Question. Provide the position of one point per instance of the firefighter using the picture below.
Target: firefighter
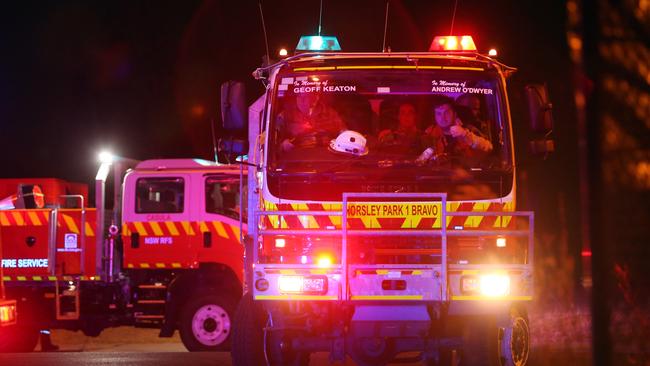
(449, 136)
(405, 137)
(310, 123)
(472, 103)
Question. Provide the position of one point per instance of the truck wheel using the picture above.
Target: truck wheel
(248, 348)
(480, 342)
(247, 334)
(206, 322)
(18, 339)
(515, 344)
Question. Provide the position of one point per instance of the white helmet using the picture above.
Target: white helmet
(349, 142)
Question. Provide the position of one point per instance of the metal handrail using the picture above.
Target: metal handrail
(442, 232)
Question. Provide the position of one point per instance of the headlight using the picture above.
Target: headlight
(495, 285)
(302, 284)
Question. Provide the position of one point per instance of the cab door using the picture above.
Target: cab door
(157, 227)
(218, 219)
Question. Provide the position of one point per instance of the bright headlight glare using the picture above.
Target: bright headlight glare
(324, 261)
(290, 283)
(495, 285)
(501, 242)
(105, 157)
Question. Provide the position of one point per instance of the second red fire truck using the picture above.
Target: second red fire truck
(167, 256)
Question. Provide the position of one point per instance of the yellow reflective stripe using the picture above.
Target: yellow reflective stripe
(37, 278)
(176, 265)
(235, 230)
(3, 219)
(34, 218)
(171, 227)
(203, 227)
(324, 68)
(386, 297)
(130, 265)
(273, 219)
(144, 265)
(6, 278)
(19, 218)
(308, 222)
(416, 272)
(140, 228)
(187, 227)
(294, 297)
(51, 278)
(221, 231)
(318, 271)
(387, 67)
(21, 278)
(462, 68)
(382, 271)
(125, 230)
(160, 265)
(156, 228)
(499, 298)
(89, 230)
(72, 226)
(288, 271)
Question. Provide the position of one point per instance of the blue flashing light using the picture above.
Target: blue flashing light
(318, 43)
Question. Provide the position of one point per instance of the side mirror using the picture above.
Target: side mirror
(540, 115)
(234, 111)
(540, 109)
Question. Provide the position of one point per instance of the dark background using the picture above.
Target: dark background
(141, 78)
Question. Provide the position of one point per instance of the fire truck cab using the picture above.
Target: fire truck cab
(168, 255)
(382, 211)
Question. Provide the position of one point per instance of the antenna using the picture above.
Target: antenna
(383, 46)
(214, 141)
(453, 17)
(320, 17)
(266, 39)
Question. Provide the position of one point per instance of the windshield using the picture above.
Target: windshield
(389, 130)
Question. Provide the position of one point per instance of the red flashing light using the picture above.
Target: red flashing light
(452, 43)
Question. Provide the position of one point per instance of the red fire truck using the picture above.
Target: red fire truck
(168, 255)
(372, 247)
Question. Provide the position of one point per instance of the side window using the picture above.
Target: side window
(160, 195)
(222, 196)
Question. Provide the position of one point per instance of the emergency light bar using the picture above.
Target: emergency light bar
(452, 43)
(318, 43)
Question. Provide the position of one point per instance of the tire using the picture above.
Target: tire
(480, 342)
(18, 339)
(515, 344)
(247, 334)
(206, 322)
(248, 339)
